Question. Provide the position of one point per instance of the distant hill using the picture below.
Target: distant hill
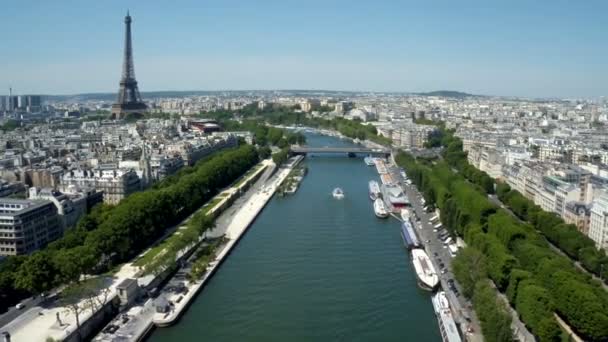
(294, 92)
(448, 93)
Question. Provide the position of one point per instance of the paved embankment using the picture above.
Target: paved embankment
(241, 221)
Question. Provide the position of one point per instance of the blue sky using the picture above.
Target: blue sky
(521, 48)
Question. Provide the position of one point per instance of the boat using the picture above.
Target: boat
(410, 240)
(338, 193)
(380, 208)
(380, 166)
(405, 214)
(425, 272)
(374, 190)
(369, 161)
(387, 179)
(395, 196)
(447, 326)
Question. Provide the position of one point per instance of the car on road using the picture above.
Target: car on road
(435, 254)
(20, 306)
(442, 265)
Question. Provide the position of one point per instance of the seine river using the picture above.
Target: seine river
(312, 268)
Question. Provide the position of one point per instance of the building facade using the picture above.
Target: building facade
(598, 223)
(27, 225)
(69, 208)
(115, 184)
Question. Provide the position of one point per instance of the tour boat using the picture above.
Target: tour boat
(408, 234)
(369, 161)
(380, 208)
(374, 190)
(447, 326)
(338, 193)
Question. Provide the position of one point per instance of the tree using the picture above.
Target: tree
(282, 143)
(264, 152)
(71, 263)
(469, 267)
(9, 294)
(92, 294)
(515, 278)
(281, 156)
(534, 304)
(492, 312)
(36, 274)
(549, 330)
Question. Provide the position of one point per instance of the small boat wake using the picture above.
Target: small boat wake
(338, 193)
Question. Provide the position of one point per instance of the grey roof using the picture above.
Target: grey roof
(126, 283)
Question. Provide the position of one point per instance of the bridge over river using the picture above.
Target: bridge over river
(348, 150)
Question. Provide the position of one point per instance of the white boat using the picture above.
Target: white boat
(369, 161)
(427, 276)
(380, 208)
(374, 190)
(405, 214)
(338, 193)
(447, 326)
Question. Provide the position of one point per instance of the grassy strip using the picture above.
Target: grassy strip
(204, 256)
(242, 180)
(170, 241)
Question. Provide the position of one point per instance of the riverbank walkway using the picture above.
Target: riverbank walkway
(138, 327)
(239, 224)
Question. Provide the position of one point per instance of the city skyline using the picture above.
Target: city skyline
(520, 49)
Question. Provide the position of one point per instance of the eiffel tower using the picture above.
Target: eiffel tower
(129, 100)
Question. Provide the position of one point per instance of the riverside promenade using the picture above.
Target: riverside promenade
(230, 222)
(234, 231)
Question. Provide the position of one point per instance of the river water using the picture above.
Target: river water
(313, 268)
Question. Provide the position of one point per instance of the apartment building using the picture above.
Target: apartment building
(598, 223)
(115, 184)
(578, 214)
(27, 225)
(69, 208)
